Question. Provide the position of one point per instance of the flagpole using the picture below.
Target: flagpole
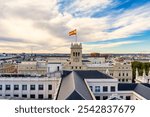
(76, 37)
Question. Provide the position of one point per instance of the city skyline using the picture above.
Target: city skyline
(105, 26)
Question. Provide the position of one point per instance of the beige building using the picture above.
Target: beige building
(33, 67)
(8, 68)
(120, 71)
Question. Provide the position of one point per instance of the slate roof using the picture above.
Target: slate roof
(126, 86)
(142, 89)
(86, 61)
(94, 74)
(73, 87)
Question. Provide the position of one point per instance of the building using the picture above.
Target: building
(121, 71)
(92, 84)
(33, 67)
(20, 86)
(75, 79)
(8, 67)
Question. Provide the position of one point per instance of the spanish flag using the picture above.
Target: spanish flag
(73, 32)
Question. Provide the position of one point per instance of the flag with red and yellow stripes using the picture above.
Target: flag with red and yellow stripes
(73, 32)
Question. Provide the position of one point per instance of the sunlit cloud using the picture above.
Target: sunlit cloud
(44, 25)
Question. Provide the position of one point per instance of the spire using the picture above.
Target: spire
(149, 72)
(144, 74)
(107, 72)
(137, 73)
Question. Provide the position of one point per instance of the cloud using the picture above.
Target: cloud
(97, 47)
(86, 7)
(44, 25)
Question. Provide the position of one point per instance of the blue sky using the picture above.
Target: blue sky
(105, 26)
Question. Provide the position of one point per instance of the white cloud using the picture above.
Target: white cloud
(41, 24)
(87, 7)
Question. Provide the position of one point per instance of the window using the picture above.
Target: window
(105, 88)
(16, 95)
(121, 97)
(119, 80)
(32, 87)
(78, 53)
(122, 80)
(16, 87)
(57, 68)
(105, 97)
(0, 87)
(72, 67)
(112, 88)
(128, 98)
(80, 67)
(7, 87)
(76, 67)
(119, 74)
(126, 80)
(111, 74)
(32, 96)
(73, 53)
(49, 96)
(41, 87)
(91, 88)
(97, 88)
(7, 95)
(49, 87)
(40, 96)
(24, 87)
(126, 74)
(97, 97)
(24, 95)
(122, 74)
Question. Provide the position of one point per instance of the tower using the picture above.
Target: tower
(76, 55)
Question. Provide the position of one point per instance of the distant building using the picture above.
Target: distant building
(33, 67)
(8, 67)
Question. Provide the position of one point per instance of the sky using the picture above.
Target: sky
(103, 26)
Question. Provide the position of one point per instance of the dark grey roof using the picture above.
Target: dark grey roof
(143, 91)
(126, 86)
(73, 87)
(146, 84)
(88, 74)
(54, 62)
(86, 61)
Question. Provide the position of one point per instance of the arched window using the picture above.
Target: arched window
(76, 54)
